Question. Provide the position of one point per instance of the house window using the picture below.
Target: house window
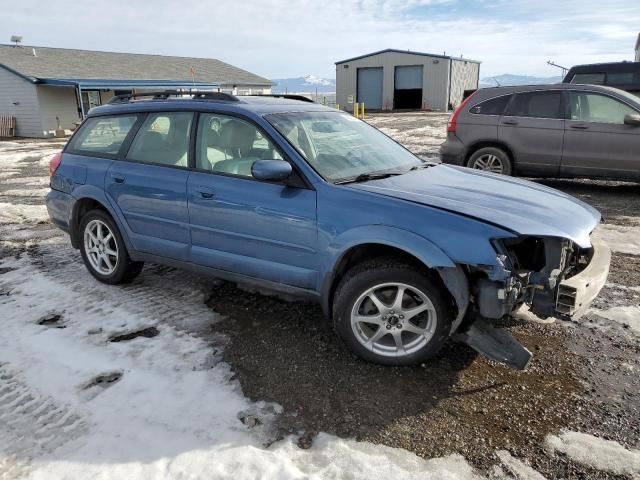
(90, 99)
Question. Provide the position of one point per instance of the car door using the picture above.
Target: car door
(260, 229)
(597, 141)
(149, 186)
(533, 128)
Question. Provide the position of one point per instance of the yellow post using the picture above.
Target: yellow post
(362, 111)
(355, 110)
(337, 106)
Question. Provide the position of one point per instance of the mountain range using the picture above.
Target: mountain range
(312, 84)
(308, 84)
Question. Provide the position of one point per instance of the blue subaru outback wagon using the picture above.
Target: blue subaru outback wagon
(293, 196)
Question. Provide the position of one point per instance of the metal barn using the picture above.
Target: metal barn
(397, 79)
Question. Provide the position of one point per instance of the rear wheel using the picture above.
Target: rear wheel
(491, 159)
(103, 250)
(389, 312)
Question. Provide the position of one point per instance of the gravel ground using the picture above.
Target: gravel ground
(584, 376)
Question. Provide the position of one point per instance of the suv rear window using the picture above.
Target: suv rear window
(102, 135)
(494, 106)
(537, 105)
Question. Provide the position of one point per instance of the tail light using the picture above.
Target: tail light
(451, 126)
(54, 163)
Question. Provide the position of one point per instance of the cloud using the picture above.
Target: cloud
(277, 38)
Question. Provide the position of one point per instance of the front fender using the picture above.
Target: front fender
(421, 248)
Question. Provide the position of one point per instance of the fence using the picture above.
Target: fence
(7, 126)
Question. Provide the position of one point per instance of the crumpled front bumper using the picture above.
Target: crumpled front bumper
(575, 294)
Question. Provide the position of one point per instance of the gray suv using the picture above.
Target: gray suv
(560, 130)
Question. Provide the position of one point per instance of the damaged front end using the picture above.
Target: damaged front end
(552, 277)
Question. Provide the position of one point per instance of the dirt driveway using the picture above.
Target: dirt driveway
(584, 376)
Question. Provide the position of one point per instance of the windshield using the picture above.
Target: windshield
(341, 147)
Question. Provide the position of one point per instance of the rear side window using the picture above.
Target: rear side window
(537, 105)
(588, 78)
(163, 138)
(495, 106)
(102, 135)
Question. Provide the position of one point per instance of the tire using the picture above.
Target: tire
(421, 335)
(491, 159)
(117, 267)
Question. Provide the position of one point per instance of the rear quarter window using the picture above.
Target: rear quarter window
(102, 135)
(494, 106)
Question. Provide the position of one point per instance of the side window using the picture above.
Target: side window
(495, 106)
(594, 108)
(102, 135)
(163, 138)
(231, 145)
(537, 105)
(588, 78)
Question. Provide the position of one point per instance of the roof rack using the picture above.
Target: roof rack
(163, 95)
(302, 98)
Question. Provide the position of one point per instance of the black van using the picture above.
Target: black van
(622, 75)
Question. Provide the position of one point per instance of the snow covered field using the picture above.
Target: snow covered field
(130, 382)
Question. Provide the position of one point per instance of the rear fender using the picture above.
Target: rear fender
(94, 193)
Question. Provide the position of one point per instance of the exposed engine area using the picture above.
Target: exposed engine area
(530, 272)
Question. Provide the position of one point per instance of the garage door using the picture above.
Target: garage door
(370, 87)
(407, 87)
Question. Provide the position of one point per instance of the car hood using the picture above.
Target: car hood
(523, 207)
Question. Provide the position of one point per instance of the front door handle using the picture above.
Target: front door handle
(579, 126)
(205, 193)
(510, 122)
(117, 177)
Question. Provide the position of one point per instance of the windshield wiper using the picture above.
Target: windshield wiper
(363, 177)
(421, 166)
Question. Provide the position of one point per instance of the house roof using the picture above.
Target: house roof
(77, 65)
(410, 52)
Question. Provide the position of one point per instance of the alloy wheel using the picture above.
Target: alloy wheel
(101, 247)
(393, 319)
(489, 163)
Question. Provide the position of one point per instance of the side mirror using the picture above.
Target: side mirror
(632, 119)
(271, 170)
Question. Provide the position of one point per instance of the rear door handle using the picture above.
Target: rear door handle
(117, 178)
(510, 122)
(579, 126)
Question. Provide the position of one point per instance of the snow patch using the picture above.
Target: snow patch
(17, 213)
(595, 452)
(171, 412)
(621, 239)
(629, 315)
(518, 468)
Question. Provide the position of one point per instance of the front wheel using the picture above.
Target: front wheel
(103, 250)
(391, 313)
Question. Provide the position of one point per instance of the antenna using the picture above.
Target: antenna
(553, 64)
(16, 39)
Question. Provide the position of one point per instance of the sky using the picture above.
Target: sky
(289, 38)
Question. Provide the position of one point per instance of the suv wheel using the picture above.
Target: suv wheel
(103, 250)
(391, 313)
(490, 159)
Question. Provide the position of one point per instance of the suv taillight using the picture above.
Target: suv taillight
(451, 126)
(54, 163)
